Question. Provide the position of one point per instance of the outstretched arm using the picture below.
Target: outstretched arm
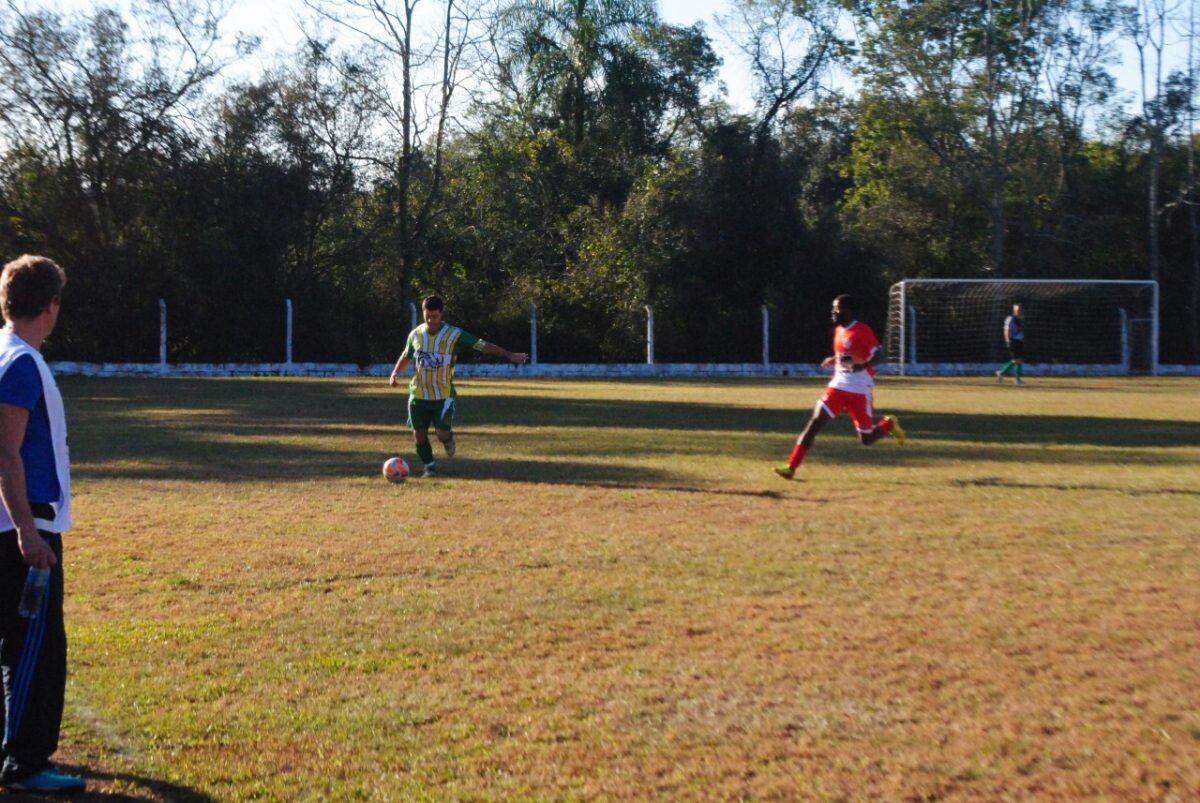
(515, 357)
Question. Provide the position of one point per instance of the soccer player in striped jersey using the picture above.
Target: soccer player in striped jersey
(856, 352)
(433, 349)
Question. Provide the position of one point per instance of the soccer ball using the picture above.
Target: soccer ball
(395, 469)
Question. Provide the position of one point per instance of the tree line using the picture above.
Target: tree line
(573, 154)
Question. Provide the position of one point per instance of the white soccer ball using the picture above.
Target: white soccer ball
(395, 469)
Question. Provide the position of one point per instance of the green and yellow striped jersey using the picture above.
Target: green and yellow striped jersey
(433, 355)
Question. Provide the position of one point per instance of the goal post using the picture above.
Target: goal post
(1072, 326)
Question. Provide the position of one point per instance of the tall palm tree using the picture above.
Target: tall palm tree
(564, 46)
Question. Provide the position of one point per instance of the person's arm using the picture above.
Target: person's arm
(401, 363)
(876, 358)
(515, 357)
(34, 549)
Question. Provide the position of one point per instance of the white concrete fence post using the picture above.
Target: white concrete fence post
(533, 334)
(912, 337)
(1126, 354)
(766, 336)
(1154, 332)
(288, 349)
(162, 335)
(649, 335)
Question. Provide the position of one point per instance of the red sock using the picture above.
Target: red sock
(797, 457)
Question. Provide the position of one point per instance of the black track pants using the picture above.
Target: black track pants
(33, 663)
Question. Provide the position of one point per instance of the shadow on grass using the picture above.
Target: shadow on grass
(594, 475)
(149, 788)
(1001, 482)
(274, 463)
(282, 430)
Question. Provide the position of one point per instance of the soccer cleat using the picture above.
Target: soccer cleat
(48, 780)
(785, 471)
(430, 470)
(450, 446)
(896, 431)
(999, 377)
(1019, 382)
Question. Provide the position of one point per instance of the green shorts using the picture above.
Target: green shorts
(437, 412)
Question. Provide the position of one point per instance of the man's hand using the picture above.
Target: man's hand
(829, 362)
(34, 549)
(518, 357)
(393, 381)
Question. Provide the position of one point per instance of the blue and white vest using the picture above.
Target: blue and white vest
(12, 347)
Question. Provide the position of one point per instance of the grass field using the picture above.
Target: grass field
(608, 595)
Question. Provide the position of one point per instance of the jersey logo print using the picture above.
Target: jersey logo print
(428, 359)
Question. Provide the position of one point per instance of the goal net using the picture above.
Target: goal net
(955, 326)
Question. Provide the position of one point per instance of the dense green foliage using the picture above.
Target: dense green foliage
(569, 154)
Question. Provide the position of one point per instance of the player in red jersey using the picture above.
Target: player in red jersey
(856, 352)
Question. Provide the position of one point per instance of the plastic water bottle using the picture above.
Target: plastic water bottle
(31, 596)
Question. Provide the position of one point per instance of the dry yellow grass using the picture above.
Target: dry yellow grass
(608, 596)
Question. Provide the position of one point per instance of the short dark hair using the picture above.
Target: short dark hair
(28, 284)
(433, 303)
(847, 303)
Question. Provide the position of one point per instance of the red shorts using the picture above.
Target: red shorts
(858, 405)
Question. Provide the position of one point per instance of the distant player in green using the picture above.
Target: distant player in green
(433, 349)
(1014, 338)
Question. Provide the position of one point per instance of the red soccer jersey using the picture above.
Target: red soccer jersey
(851, 344)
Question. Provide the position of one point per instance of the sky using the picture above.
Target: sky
(276, 22)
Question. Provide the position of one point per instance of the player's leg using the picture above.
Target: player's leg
(443, 422)
(419, 418)
(888, 425)
(821, 416)
(35, 683)
(1017, 351)
(12, 627)
(862, 412)
(873, 434)
(424, 449)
